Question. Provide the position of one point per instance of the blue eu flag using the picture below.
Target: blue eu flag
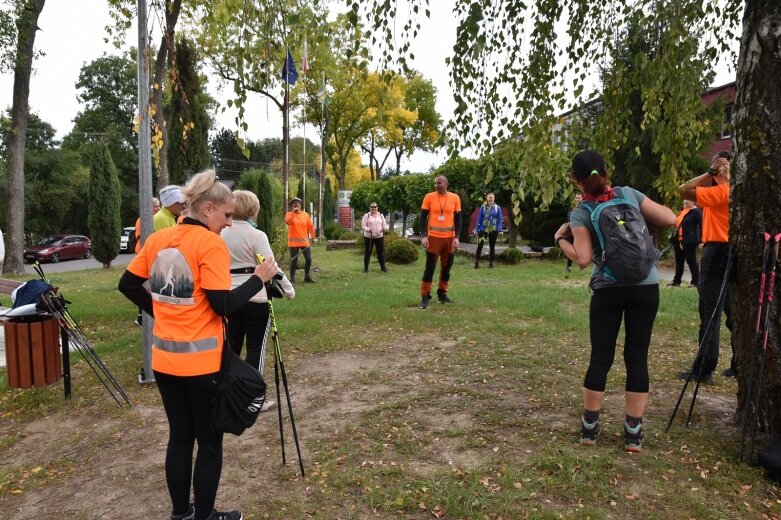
(289, 72)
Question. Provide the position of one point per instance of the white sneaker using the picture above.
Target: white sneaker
(268, 405)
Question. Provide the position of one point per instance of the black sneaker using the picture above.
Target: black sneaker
(477, 265)
(704, 378)
(384, 269)
(490, 265)
(139, 321)
(229, 515)
(443, 298)
(308, 279)
(189, 515)
(424, 302)
(730, 372)
(588, 432)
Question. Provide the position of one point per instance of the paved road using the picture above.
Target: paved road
(77, 265)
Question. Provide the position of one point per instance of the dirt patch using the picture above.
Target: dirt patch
(104, 463)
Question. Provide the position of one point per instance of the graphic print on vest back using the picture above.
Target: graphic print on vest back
(171, 279)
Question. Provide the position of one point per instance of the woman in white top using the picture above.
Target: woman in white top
(374, 228)
(244, 241)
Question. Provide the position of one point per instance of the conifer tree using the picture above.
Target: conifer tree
(104, 205)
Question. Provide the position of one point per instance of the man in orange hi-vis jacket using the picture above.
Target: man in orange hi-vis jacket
(440, 225)
(299, 231)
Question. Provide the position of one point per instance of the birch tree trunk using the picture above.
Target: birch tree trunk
(27, 26)
(756, 192)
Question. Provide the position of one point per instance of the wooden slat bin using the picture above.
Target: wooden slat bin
(32, 352)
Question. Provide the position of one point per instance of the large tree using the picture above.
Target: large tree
(495, 55)
(26, 13)
(107, 88)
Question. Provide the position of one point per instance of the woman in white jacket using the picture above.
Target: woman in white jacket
(244, 242)
(374, 228)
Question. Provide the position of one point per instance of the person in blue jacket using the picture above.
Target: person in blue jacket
(489, 225)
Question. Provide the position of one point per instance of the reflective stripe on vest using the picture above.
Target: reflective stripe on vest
(186, 347)
(298, 239)
(442, 229)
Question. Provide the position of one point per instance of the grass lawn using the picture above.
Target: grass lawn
(463, 411)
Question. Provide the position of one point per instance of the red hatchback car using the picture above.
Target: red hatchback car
(59, 247)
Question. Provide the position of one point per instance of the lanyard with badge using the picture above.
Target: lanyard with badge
(441, 216)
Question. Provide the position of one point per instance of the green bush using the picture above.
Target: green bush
(346, 234)
(389, 236)
(510, 256)
(332, 230)
(401, 252)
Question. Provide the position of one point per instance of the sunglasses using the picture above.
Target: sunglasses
(373, 207)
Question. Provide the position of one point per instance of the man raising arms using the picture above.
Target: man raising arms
(440, 225)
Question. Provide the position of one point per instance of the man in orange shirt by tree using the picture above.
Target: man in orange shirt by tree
(711, 193)
(440, 225)
(299, 231)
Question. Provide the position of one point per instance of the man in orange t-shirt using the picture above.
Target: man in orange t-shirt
(711, 193)
(299, 231)
(440, 225)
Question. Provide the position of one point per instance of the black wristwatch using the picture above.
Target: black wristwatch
(713, 171)
(557, 240)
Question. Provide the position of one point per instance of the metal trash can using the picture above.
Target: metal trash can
(32, 351)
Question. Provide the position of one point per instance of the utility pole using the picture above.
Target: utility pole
(144, 171)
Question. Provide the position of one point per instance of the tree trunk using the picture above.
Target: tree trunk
(512, 240)
(27, 26)
(164, 62)
(756, 192)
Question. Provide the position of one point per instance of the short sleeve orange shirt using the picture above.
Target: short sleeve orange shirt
(714, 201)
(180, 263)
(441, 213)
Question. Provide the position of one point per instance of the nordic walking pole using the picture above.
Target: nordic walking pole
(768, 305)
(702, 346)
(754, 345)
(281, 363)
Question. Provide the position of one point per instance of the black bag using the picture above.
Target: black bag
(241, 393)
(273, 289)
(770, 459)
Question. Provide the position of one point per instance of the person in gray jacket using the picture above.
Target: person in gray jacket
(252, 321)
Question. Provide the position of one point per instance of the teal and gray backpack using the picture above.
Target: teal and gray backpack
(628, 253)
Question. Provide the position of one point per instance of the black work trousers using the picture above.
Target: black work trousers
(713, 301)
(686, 253)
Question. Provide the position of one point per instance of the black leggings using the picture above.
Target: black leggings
(253, 322)
(637, 305)
(491, 236)
(379, 242)
(188, 403)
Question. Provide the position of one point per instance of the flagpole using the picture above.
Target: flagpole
(304, 69)
(286, 144)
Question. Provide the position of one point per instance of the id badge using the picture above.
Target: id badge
(441, 218)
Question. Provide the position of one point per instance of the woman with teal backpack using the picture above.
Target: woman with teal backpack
(613, 300)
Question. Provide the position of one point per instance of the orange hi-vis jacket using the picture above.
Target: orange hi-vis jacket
(678, 221)
(181, 262)
(441, 213)
(714, 201)
(299, 228)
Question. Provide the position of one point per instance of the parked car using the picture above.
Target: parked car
(127, 240)
(54, 248)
